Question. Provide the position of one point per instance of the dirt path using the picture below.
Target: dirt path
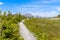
(25, 33)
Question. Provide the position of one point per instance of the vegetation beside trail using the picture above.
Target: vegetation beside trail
(9, 29)
(44, 29)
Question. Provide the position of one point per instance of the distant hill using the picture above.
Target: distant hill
(28, 15)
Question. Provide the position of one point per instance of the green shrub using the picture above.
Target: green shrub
(9, 26)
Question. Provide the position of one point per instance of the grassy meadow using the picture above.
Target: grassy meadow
(44, 29)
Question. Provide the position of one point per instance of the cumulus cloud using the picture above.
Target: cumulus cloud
(1, 3)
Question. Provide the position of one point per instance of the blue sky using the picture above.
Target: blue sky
(44, 8)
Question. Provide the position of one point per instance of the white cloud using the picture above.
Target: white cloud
(46, 14)
(46, 1)
(58, 8)
(1, 3)
(40, 10)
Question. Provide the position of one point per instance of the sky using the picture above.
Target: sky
(43, 8)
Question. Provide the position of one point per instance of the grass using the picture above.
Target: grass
(44, 29)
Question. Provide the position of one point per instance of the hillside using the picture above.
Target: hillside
(41, 28)
(44, 29)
